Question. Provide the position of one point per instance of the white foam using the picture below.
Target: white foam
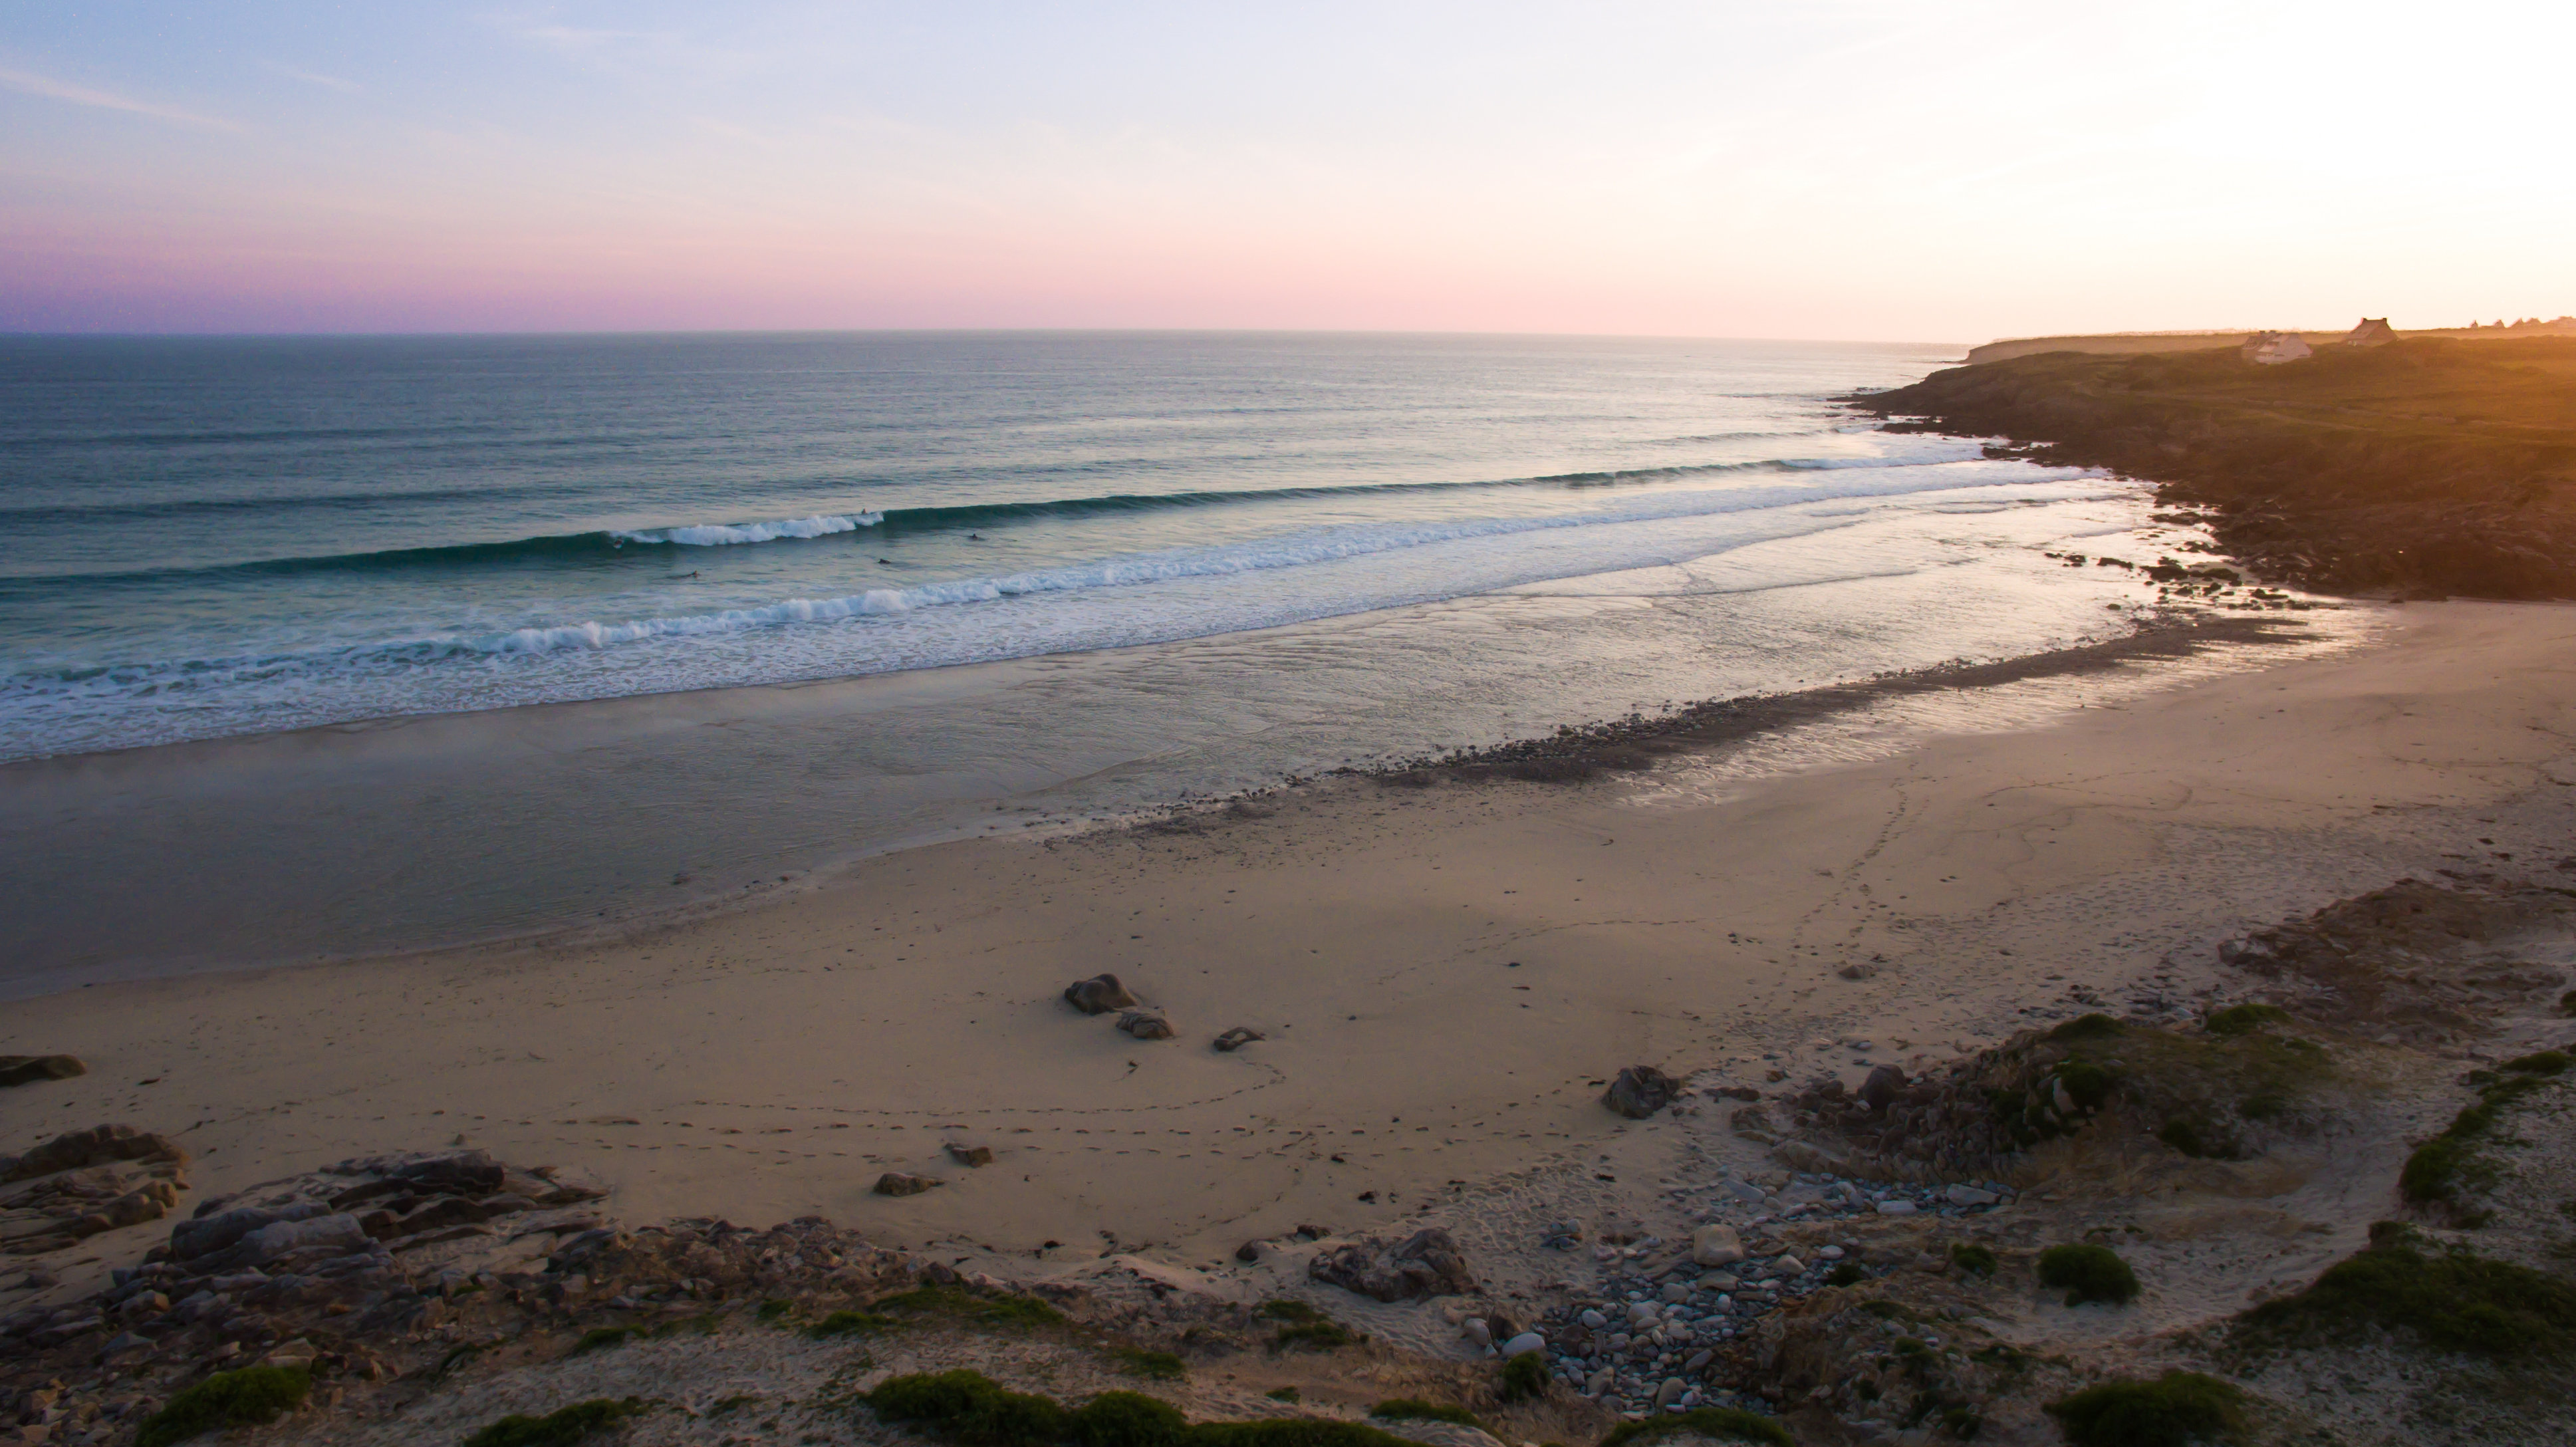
(718, 535)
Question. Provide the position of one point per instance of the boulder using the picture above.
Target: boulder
(1098, 995)
(1716, 1245)
(1427, 1263)
(968, 1155)
(1883, 1086)
(28, 1069)
(1640, 1091)
(1238, 1037)
(1145, 1025)
(902, 1183)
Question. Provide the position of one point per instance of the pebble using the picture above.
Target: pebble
(1896, 1208)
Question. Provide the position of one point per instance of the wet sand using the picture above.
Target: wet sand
(1445, 969)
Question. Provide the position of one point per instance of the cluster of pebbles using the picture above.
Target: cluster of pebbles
(1642, 1346)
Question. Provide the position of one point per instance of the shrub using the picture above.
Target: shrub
(2545, 1062)
(2086, 1027)
(2246, 1019)
(2442, 1166)
(969, 1407)
(2179, 1134)
(1283, 1394)
(1525, 1377)
(2567, 1003)
(600, 1338)
(1291, 1432)
(244, 1398)
(559, 1428)
(2090, 1273)
(1160, 1366)
(1282, 1309)
(1846, 1273)
(1973, 1258)
(1415, 1409)
(851, 1323)
(1020, 1312)
(1722, 1423)
(2087, 1084)
(775, 1307)
(1129, 1419)
(2453, 1299)
(2167, 1412)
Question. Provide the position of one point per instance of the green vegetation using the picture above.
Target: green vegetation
(2426, 464)
(971, 1409)
(244, 1398)
(1021, 1313)
(1972, 1258)
(559, 1428)
(2246, 1019)
(1306, 1327)
(2087, 1027)
(1401, 1409)
(2453, 1299)
(1525, 1377)
(2445, 1168)
(1284, 1394)
(774, 1308)
(852, 1323)
(2183, 1136)
(2172, 1410)
(1846, 1273)
(1721, 1423)
(2090, 1273)
(2567, 1003)
(1159, 1366)
(601, 1338)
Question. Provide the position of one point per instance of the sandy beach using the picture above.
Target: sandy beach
(1445, 974)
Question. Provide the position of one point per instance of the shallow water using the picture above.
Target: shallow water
(1117, 571)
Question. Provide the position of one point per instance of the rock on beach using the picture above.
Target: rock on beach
(1640, 1091)
(1427, 1263)
(1098, 995)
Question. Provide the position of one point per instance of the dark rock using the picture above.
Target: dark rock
(1739, 1092)
(1145, 1025)
(1427, 1263)
(966, 1155)
(98, 1145)
(901, 1183)
(1098, 995)
(1640, 1091)
(28, 1069)
(1882, 1087)
(1237, 1038)
(1248, 1251)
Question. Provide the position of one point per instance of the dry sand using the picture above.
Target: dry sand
(1446, 974)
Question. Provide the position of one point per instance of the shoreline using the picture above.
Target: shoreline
(860, 1024)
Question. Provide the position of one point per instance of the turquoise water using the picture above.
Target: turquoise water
(211, 537)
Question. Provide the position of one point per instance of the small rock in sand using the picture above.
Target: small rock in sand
(1098, 995)
(966, 1155)
(1238, 1037)
(1716, 1245)
(28, 1069)
(1640, 1091)
(901, 1183)
(1145, 1025)
(1249, 1251)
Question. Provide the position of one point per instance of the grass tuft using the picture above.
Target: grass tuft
(601, 1338)
(1970, 1257)
(2087, 1027)
(2246, 1019)
(559, 1428)
(1525, 1377)
(1414, 1409)
(1157, 1366)
(1022, 1313)
(852, 1323)
(2090, 1273)
(2446, 1167)
(2170, 1411)
(248, 1397)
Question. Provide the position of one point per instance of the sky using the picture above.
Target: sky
(1829, 169)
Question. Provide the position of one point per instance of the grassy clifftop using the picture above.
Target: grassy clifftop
(2423, 466)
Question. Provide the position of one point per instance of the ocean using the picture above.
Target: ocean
(1071, 574)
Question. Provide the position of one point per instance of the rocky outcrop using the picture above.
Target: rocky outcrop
(1427, 1263)
(1098, 995)
(1640, 1091)
(78, 1185)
